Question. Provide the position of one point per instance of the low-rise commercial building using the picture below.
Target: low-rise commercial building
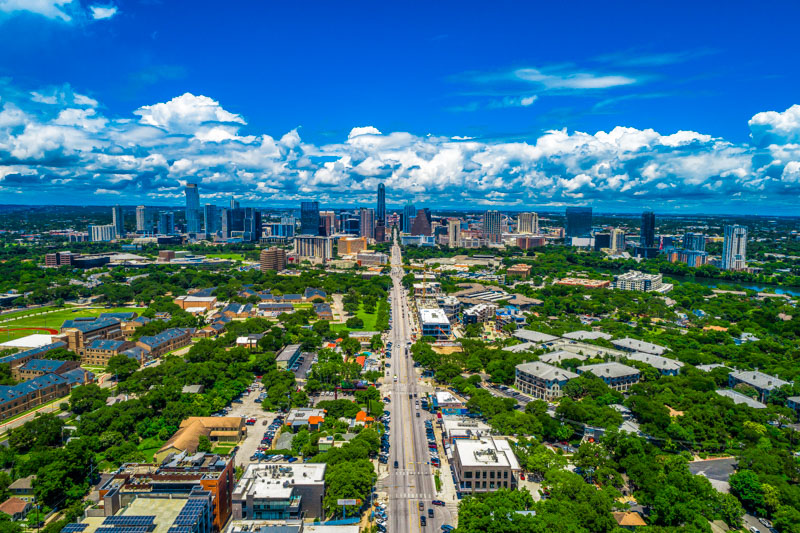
(559, 356)
(305, 417)
(616, 375)
(520, 270)
(288, 356)
(541, 380)
(280, 492)
(189, 300)
(739, 398)
(628, 344)
(100, 351)
(482, 465)
(478, 314)
(634, 280)
(434, 323)
(455, 427)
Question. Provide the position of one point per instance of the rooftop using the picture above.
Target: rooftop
(546, 372)
(639, 346)
(657, 361)
(759, 380)
(533, 336)
(609, 370)
(277, 480)
(433, 316)
(739, 398)
(486, 451)
(586, 335)
(560, 356)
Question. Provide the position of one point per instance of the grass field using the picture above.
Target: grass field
(233, 257)
(149, 447)
(369, 321)
(52, 319)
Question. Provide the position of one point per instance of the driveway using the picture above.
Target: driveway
(718, 471)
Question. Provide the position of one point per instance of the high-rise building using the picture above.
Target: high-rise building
(273, 259)
(351, 245)
(579, 222)
(422, 223)
(166, 223)
(309, 218)
(602, 240)
(144, 219)
(118, 220)
(102, 233)
(327, 223)
(694, 241)
(492, 226)
(367, 216)
(313, 247)
(647, 234)
(734, 248)
(211, 219)
(454, 232)
(234, 203)
(528, 223)
(408, 214)
(192, 209)
(617, 240)
(251, 224)
(381, 213)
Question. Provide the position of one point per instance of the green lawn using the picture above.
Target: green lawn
(369, 321)
(234, 257)
(149, 447)
(55, 319)
(223, 448)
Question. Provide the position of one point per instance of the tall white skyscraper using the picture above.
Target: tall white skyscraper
(144, 219)
(528, 223)
(103, 233)
(734, 248)
(118, 220)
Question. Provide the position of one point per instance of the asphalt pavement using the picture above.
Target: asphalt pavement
(411, 483)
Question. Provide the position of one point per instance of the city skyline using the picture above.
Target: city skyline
(618, 129)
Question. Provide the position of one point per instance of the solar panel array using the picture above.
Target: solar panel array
(129, 520)
(190, 513)
(74, 528)
(125, 529)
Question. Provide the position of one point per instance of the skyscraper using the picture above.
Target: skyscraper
(647, 234)
(617, 240)
(381, 213)
(103, 233)
(734, 248)
(118, 220)
(454, 232)
(309, 218)
(251, 224)
(367, 216)
(211, 219)
(579, 222)
(408, 214)
(192, 208)
(528, 223)
(234, 203)
(422, 222)
(694, 241)
(327, 223)
(492, 225)
(144, 219)
(273, 259)
(166, 223)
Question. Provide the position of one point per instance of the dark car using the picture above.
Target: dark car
(421, 506)
(440, 503)
(396, 464)
(422, 521)
(430, 512)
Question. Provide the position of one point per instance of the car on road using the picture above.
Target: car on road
(421, 506)
(430, 512)
(422, 521)
(447, 527)
(417, 414)
(396, 464)
(440, 503)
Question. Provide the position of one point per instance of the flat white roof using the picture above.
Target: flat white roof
(524, 347)
(612, 370)
(433, 316)
(444, 397)
(546, 372)
(758, 379)
(36, 340)
(486, 451)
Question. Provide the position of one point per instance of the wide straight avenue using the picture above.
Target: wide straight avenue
(410, 484)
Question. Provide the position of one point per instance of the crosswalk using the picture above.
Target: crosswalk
(411, 496)
(412, 472)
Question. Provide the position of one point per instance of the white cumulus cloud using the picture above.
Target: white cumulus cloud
(103, 12)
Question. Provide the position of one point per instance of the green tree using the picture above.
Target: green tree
(203, 444)
(122, 366)
(746, 486)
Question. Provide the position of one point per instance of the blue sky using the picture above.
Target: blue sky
(525, 105)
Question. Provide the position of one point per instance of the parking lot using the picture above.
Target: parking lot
(305, 366)
(247, 409)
